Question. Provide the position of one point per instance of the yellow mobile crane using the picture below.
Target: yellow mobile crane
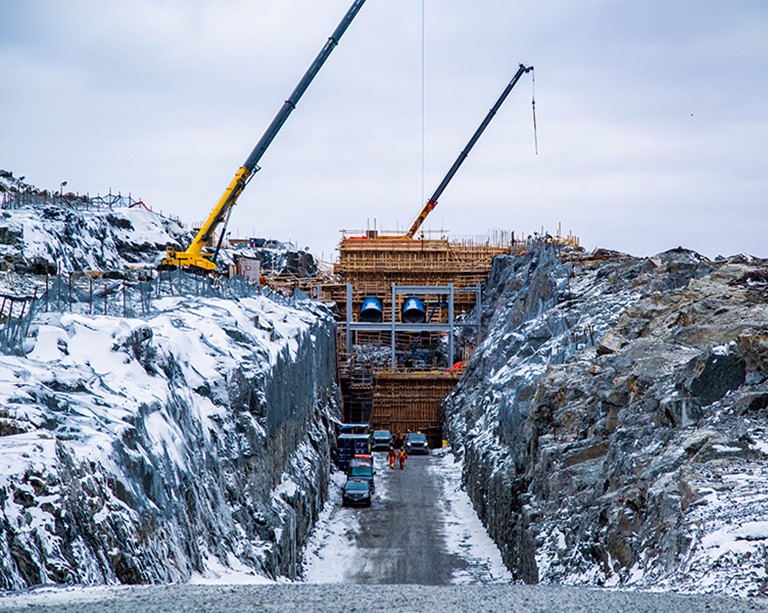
(194, 256)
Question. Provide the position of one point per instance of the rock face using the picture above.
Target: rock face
(147, 450)
(51, 238)
(143, 451)
(613, 419)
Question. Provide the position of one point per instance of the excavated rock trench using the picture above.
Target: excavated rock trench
(202, 457)
(612, 425)
(613, 421)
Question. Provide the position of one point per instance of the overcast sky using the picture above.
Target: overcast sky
(652, 115)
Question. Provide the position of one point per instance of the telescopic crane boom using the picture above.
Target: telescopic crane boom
(194, 255)
(432, 202)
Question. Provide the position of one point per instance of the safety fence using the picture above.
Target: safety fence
(23, 199)
(16, 315)
(20, 200)
(131, 295)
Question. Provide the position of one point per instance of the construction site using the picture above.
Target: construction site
(407, 303)
(408, 309)
(323, 397)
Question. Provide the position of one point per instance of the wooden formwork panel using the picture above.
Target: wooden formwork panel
(372, 264)
(381, 254)
(411, 401)
(383, 259)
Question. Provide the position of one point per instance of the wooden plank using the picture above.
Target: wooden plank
(411, 401)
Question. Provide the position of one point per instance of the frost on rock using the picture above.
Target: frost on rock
(155, 449)
(613, 420)
(146, 451)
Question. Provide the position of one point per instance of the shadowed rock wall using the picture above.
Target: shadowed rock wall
(207, 457)
(613, 419)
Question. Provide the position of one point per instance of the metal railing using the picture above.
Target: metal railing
(23, 199)
(130, 295)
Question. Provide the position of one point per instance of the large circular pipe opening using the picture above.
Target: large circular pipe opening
(414, 311)
(371, 310)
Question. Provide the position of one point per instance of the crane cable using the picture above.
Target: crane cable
(423, 100)
(533, 106)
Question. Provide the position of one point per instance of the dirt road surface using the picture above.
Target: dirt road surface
(402, 537)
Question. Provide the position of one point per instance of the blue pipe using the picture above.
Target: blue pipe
(371, 310)
(413, 311)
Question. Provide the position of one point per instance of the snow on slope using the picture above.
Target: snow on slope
(54, 237)
(152, 449)
(41, 232)
(118, 414)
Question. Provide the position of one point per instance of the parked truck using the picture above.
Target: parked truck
(350, 445)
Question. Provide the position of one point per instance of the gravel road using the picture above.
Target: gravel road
(400, 563)
(359, 598)
(402, 540)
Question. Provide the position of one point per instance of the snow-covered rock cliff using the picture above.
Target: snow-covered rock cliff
(147, 450)
(62, 234)
(613, 419)
(190, 436)
(43, 232)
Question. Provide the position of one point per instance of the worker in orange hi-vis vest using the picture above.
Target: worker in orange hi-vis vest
(391, 457)
(401, 455)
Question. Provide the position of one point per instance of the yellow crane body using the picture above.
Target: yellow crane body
(193, 256)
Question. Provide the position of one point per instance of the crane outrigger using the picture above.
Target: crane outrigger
(194, 256)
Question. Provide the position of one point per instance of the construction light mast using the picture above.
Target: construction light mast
(193, 256)
(432, 202)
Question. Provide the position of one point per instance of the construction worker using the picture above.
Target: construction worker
(401, 455)
(391, 457)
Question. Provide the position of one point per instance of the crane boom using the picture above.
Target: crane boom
(432, 202)
(193, 256)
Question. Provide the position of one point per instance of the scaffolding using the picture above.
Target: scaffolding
(447, 276)
(371, 262)
(433, 325)
(358, 399)
(404, 402)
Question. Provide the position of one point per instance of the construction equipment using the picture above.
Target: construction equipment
(194, 256)
(432, 202)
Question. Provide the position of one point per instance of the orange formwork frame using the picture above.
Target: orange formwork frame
(404, 402)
